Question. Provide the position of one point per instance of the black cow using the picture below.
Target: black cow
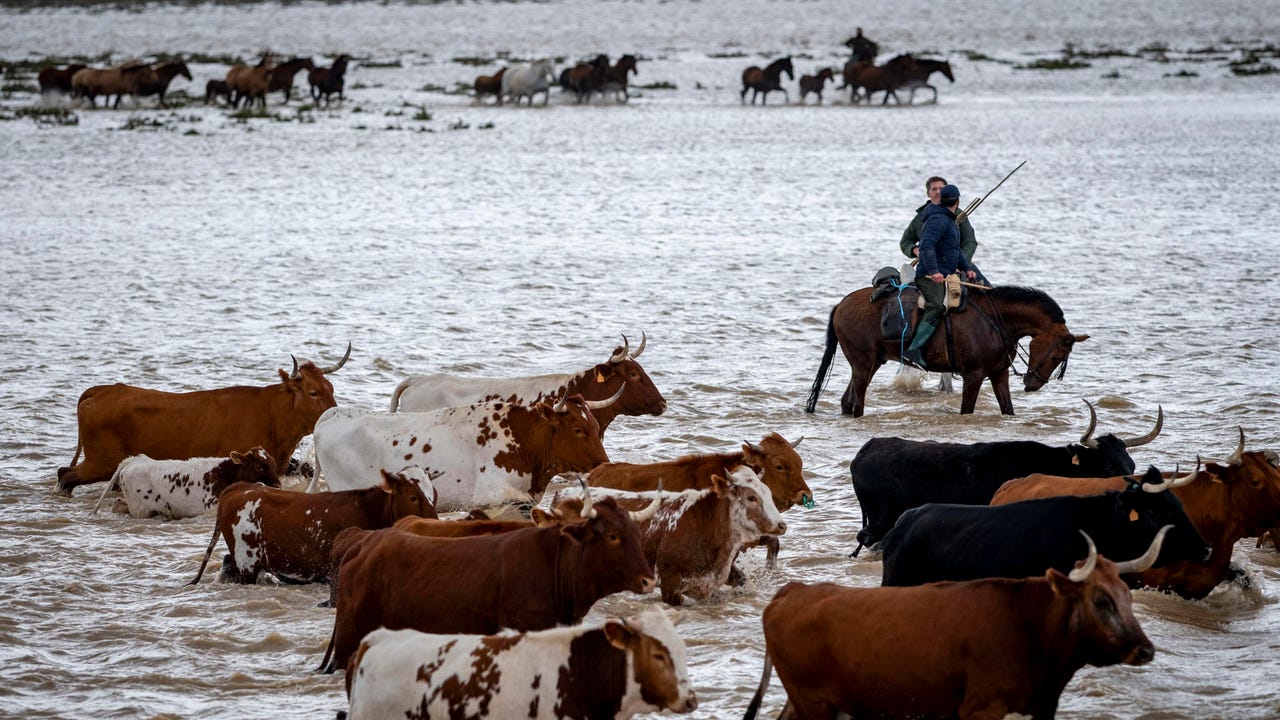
(893, 475)
(966, 542)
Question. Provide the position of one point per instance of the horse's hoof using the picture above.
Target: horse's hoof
(63, 489)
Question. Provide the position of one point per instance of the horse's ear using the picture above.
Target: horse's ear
(1081, 338)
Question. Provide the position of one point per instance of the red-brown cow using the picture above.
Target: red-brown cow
(974, 649)
(290, 533)
(691, 538)
(119, 421)
(529, 579)
(1234, 498)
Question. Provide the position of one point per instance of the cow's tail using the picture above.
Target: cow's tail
(824, 369)
(328, 662)
(115, 479)
(754, 707)
(207, 552)
(79, 446)
(315, 464)
(395, 396)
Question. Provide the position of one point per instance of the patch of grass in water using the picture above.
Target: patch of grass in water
(485, 126)
(423, 115)
(1112, 75)
(48, 115)
(1053, 64)
(475, 61)
(1245, 70)
(660, 85)
(142, 122)
(1071, 51)
(458, 124)
(459, 88)
(18, 87)
(376, 64)
(1182, 74)
(192, 131)
(727, 55)
(207, 59)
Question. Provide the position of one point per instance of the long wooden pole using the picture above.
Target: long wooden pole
(978, 201)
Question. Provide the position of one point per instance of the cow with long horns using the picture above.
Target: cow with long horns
(485, 454)
(119, 421)
(976, 649)
(893, 475)
(598, 382)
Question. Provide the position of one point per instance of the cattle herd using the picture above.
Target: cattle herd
(1007, 566)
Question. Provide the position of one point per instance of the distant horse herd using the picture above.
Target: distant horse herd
(251, 84)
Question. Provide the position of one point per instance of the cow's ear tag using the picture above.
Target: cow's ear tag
(599, 376)
(1075, 459)
(1133, 516)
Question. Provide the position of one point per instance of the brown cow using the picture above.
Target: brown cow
(118, 421)
(974, 649)
(1232, 499)
(529, 579)
(290, 533)
(691, 538)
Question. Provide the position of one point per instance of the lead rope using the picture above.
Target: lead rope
(1011, 346)
(902, 313)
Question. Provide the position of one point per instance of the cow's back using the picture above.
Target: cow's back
(1038, 486)
(688, 473)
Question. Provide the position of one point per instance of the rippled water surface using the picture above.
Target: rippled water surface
(203, 253)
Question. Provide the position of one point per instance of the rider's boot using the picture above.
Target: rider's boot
(924, 331)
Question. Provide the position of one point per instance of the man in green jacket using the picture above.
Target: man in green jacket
(910, 242)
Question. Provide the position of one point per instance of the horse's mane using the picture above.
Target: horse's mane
(1018, 294)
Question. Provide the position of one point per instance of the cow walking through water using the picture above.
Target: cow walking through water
(118, 421)
(186, 488)
(977, 649)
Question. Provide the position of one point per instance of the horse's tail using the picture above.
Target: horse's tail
(824, 368)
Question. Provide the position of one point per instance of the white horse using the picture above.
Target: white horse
(521, 81)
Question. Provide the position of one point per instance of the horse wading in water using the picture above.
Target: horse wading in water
(984, 341)
(525, 81)
(876, 78)
(917, 77)
(767, 80)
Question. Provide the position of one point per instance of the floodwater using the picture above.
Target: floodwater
(183, 249)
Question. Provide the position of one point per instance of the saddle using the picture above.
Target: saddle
(898, 317)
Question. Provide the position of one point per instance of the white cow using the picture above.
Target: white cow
(479, 455)
(185, 488)
(628, 666)
(520, 81)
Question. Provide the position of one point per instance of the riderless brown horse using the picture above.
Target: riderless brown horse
(282, 76)
(52, 78)
(917, 77)
(984, 342)
(875, 78)
(616, 82)
(327, 81)
(250, 82)
(767, 80)
(490, 85)
(119, 81)
(815, 83)
(158, 83)
(586, 79)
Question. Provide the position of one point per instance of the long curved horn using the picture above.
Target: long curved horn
(1148, 558)
(562, 406)
(643, 339)
(1091, 560)
(294, 375)
(796, 444)
(343, 361)
(754, 448)
(1144, 439)
(1173, 482)
(601, 404)
(621, 354)
(652, 508)
(1236, 457)
(1087, 438)
(587, 511)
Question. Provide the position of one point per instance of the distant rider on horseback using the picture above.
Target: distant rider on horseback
(863, 48)
(940, 256)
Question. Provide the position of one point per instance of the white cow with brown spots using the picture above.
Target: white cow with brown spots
(480, 455)
(611, 670)
(186, 488)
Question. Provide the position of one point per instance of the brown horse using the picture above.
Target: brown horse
(875, 78)
(917, 77)
(52, 78)
(616, 82)
(282, 76)
(162, 75)
(767, 80)
(985, 341)
(586, 79)
(119, 81)
(327, 81)
(490, 85)
(815, 83)
(250, 83)
(217, 89)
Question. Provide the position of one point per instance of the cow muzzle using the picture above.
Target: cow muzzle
(644, 585)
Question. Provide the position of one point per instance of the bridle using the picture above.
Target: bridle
(1012, 349)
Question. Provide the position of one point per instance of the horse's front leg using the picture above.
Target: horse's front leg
(969, 392)
(1000, 385)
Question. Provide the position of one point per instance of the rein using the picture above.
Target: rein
(1012, 349)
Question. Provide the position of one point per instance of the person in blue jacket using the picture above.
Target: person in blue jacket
(939, 256)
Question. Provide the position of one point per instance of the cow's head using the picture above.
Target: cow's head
(781, 469)
(1108, 455)
(1138, 515)
(752, 512)
(1048, 351)
(571, 436)
(658, 662)
(255, 466)
(640, 396)
(405, 495)
(611, 556)
(1102, 607)
(310, 392)
(1251, 487)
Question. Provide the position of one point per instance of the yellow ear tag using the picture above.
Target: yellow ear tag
(1133, 516)
(1075, 459)
(599, 376)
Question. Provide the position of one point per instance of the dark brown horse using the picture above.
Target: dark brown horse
(490, 85)
(282, 76)
(985, 341)
(327, 81)
(616, 82)
(54, 79)
(217, 89)
(815, 83)
(767, 80)
(586, 79)
(158, 83)
(876, 78)
(917, 77)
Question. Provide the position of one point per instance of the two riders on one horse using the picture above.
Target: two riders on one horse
(939, 255)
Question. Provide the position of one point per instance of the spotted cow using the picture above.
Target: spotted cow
(186, 488)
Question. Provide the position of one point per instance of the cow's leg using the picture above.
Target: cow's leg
(969, 393)
(69, 478)
(669, 584)
(1000, 385)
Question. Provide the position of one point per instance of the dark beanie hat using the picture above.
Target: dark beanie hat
(949, 193)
